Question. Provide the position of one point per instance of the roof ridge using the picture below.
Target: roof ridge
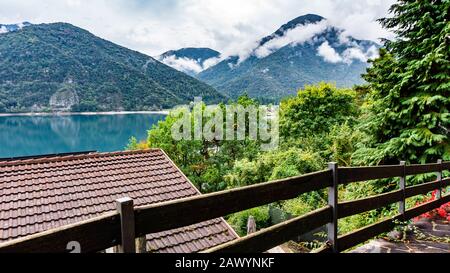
(74, 157)
(68, 167)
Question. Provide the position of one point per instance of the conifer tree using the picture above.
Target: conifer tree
(407, 114)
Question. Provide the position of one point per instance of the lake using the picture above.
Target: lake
(39, 135)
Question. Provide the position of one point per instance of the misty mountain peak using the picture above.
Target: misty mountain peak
(301, 20)
(200, 54)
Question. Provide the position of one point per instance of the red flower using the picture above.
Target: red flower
(433, 195)
(442, 212)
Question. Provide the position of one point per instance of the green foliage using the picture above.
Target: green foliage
(239, 220)
(343, 142)
(407, 112)
(272, 166)
(316, 109)
(204, 162)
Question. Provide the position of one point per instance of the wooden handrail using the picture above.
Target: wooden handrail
(421, 169)
(273, 236)
(92, 235)
(362, 205)
(361, 235)
(356, 174)
(209, 206)
(105, 231)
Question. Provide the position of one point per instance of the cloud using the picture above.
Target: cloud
(293, 37)
(211, 62)
(156, 26)
(354, 53)
(188, 65)
(328, 53)
(182, 64)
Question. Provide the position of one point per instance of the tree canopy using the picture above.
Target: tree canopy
(408, 107)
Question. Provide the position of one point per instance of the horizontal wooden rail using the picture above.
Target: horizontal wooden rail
(356, 174)
(424, 208)
(361, 235)
(276, 235)
(93, 235)
(446, 165)
(346, 209)
(188, 211)
(445, 182)
(421, 189)
(421, 169)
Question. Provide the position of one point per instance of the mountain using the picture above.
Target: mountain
(62, 67)
(13, 27)
(306, 50)
(190, 60)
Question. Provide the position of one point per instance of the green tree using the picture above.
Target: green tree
(204, 161)
(315, 110)
(408, 107)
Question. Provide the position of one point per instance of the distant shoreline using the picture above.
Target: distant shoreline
(111, 113)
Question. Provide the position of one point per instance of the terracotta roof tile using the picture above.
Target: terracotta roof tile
(38, 194)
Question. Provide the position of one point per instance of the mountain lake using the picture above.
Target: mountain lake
(30, 135)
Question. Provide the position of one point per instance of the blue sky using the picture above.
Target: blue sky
(155, 26)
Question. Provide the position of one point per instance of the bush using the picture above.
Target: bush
(239, 220)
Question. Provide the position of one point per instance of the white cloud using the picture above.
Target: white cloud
(354, 53)
(156, 26)
(211, 62)
(295, 36)
(188, 65)
(328, 53)
(183, 64)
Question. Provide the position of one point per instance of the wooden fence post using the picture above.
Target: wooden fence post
(439, 179)
(251, 225)
(126, 210)
(141, 244)
(333, 202)
(402, 203)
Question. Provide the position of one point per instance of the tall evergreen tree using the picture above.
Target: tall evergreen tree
(408, 107)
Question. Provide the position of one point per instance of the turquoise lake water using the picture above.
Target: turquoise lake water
(39, 135)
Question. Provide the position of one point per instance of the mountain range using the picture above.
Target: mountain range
(306, 50)
(60, 67)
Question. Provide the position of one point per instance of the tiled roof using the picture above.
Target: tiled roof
(42, 193)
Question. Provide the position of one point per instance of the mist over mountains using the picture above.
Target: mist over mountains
(191, 61)
(304, 51)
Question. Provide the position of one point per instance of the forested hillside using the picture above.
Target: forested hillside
(61, 67)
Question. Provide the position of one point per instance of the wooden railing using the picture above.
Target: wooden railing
(122, 227)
